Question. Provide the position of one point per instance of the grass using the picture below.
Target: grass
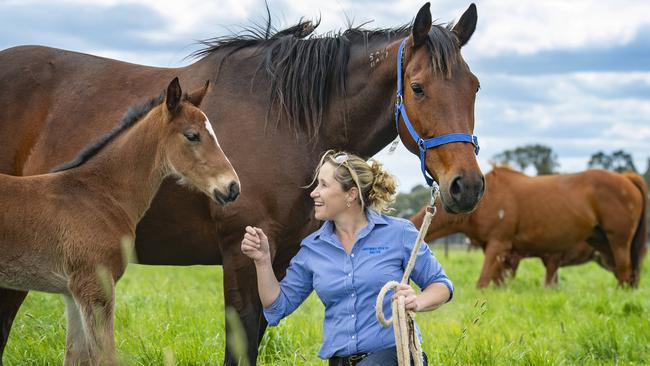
(175, 315)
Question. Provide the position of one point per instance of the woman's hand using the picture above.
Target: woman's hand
(255, 245)
(410, 297)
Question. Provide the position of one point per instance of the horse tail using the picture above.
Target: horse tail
(638, 248)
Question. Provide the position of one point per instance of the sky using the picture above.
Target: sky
(572, 75)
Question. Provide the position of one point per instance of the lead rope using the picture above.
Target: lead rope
(406, 339)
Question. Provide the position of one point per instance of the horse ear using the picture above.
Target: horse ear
(466, 25)
(421, 26)
(196, 97)
(174, 93)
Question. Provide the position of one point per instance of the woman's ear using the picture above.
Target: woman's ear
(353, 194)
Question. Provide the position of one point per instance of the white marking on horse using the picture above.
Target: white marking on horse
(208, 126)
(223, 180)
(501, 213)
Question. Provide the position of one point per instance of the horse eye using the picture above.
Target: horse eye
(417, 89)
(192, 136)
(478, 88)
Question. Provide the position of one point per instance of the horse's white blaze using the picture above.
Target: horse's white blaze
(208, 126)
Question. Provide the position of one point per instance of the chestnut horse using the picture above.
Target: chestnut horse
(545, 216)
(579, 253)
(62, 232)
(336, 91)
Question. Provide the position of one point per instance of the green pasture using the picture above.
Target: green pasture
(175, 315)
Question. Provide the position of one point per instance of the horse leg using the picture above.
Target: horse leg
(76, 348)
(622, 263)
(491, 264)
(240, 294)
(552, 263)
(10, 301)
(94, 297)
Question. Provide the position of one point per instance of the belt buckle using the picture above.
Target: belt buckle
(352, 360)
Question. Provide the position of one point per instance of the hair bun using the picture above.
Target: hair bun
(383, 189)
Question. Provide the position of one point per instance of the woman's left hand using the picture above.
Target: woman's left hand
(410, 297)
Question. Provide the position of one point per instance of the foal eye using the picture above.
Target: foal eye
(417, 89)
(192, 136)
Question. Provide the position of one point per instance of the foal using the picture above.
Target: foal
(62, 232)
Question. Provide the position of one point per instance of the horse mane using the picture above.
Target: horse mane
(504, 169)
(305, 70)
(133, 115)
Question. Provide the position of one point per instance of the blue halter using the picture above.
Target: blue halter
(424, 145)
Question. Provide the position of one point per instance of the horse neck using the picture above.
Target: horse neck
(130, 169)
(443, 224)
(367, 125)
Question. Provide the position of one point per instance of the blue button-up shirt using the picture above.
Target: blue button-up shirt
(348, 284)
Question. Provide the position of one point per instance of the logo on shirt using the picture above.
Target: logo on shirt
(374, 250)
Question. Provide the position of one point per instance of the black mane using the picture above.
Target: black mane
(133, 115)
(305, 69)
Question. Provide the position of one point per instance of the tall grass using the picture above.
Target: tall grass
(175, 315)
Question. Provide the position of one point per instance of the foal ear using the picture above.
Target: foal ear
(174, 94)
(421, 26)
(196, 96)
(466, 25)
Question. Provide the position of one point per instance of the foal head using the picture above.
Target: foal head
(191, 149)
(439, 92)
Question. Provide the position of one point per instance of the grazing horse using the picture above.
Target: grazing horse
(283, 99)
(62, 232)
(545, 216)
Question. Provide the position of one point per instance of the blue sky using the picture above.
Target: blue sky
(574, 75)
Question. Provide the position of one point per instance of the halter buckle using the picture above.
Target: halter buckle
(399, 100)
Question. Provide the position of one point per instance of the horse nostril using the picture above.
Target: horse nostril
(482, 190)
(233, 191)
(456, 188)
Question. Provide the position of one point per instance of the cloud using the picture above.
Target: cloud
(630, 56)
(525, 27)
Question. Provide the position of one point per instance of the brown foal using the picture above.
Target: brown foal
(62, 232)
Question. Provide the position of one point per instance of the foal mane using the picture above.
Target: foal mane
(130, 118)
(306, 70)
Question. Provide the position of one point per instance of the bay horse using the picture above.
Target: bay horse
(283, 99)
(62, 232)
(548, 216)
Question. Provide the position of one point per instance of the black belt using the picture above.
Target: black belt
(347, 361)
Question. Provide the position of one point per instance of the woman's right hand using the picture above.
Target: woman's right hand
(255, 245)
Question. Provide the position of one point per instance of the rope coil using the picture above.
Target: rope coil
(406, 339)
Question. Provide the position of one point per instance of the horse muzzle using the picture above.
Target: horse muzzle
(232, 194)
(463, 192)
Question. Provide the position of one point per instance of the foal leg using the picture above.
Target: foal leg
(76, 348)
(95, 299)
(495, 251)
(10, 301)
(552, 263)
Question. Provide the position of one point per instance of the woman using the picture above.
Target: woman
(347, 261)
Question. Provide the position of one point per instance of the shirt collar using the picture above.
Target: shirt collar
(327, 229)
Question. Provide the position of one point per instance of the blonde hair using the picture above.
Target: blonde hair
(376, 186)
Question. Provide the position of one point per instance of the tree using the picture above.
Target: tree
(619, 161)
(541, 157)
(407, 204)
